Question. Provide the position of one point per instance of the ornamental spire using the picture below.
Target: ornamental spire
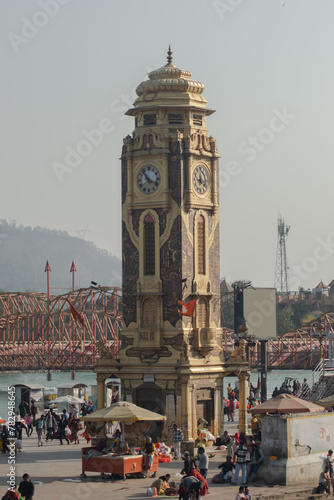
(169, 57)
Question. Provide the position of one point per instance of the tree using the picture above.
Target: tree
(299, 310)
(284, 319)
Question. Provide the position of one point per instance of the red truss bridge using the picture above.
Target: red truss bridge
(300, 349)
(61, 332)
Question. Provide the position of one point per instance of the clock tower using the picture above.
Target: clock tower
(169, 362)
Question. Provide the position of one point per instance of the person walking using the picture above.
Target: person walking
(177, 439)
(232, 408)
(50, 426)
(240, 454)
(226, 409)
(33, 411)
(203, 461)
(40, 428)
(4, 437)
(27, 487)
(62, 424)
(28, 423)
(148, 453)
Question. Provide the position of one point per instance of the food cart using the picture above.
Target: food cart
(115, 463)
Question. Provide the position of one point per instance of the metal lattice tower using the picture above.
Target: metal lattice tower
(281, 271)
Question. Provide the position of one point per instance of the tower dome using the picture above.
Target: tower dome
(169, 86)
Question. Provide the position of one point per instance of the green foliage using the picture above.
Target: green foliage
(299, 310)
(25, 250)
(284, 319)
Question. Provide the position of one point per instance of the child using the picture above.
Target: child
(241, 494)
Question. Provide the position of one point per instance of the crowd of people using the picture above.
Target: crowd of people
(195, 470)
(49, 427)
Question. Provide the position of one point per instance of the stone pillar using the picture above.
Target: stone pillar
(170, 413)
(100, 391)
(194, 412)
(186, 411)
(217, 409)
(243, 402)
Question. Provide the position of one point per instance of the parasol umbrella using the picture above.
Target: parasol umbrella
(286, 403)
(68, 399)
(326, 402)
(123, 412)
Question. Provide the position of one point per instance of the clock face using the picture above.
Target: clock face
(201, 179)
(148, 179)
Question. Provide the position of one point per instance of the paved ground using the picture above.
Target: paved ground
(58, 468)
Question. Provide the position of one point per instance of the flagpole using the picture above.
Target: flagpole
(47, 270)
(72, 270)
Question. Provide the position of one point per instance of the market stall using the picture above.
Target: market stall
(115, 465)
(117, 462)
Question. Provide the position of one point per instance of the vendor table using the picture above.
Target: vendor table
(120, 465)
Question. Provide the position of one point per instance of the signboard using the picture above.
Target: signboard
(37, 394)
(260, 312)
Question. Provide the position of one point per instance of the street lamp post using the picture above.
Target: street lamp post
(320, 327)
(243, 377)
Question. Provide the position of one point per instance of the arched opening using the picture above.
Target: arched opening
(149, 245)
(200, 245)
(202, 306)
(149, 318)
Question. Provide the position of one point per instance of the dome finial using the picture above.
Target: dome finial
(169, 57)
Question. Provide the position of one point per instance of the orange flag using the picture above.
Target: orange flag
(76, 315)
(190, 307)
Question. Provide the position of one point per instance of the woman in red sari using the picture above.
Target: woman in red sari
(194, 472)
(73, 425)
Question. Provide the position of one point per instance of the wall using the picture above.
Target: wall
(299, 444)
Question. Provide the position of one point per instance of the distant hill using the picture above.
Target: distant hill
(25, 250)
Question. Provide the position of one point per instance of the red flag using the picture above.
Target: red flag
(76, 315)
(190, 307)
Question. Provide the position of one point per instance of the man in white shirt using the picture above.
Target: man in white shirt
(75, 412)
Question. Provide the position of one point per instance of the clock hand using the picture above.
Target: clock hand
(144, 174)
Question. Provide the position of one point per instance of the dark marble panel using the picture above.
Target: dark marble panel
(130, 269)
(176, 171)
(171, 256)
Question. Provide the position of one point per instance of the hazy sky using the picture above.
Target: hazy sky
(71, 66)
